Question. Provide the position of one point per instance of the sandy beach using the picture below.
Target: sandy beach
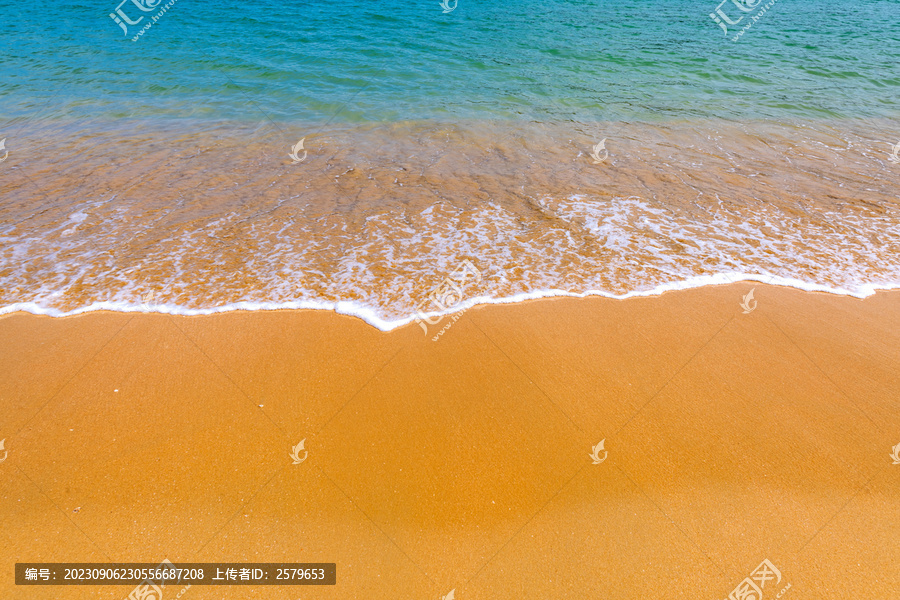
(730, 438)
(457, 300)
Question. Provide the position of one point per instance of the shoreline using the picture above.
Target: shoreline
(380, 218)
(371, 317)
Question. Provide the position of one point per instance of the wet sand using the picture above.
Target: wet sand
(463, 464)
(204, 216)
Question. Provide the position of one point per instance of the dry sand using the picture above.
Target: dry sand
(463, 464)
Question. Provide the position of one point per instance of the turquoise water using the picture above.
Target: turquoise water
(558, 147)
(543, 60)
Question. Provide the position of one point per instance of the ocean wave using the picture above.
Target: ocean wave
(377, 220)
(374, 318)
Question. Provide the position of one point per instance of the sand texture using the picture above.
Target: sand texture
(464, 463)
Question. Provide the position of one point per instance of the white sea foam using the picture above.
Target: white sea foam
(374, 318)
(384, 270)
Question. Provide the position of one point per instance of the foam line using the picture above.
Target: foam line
(375, 319)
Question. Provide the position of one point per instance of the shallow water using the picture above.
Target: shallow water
(154, 174)
(380, 216)
(540, 60)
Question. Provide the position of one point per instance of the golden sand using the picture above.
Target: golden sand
(464, 464)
